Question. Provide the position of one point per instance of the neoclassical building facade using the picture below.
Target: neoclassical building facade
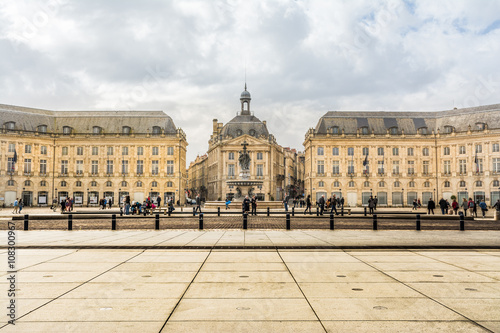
(276, 168)
(89, 155)
(402, 156)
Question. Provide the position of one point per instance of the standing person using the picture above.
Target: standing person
(63, 205)
(16, 206)
(158, 201)
(308, 204)
(419, 203)
(415, 204)
(198, 204)
(471, 205)
(342, 203)
(110, 202)
(285, 202)
(430, 206)
(484, 208)
(321, 204)
(334, 205)
(375, 202)
(170, 203)
(227, 203)
(246, 205)
(474, 210)
(497, 206)
(371, 204)
(254, 206)
(455, 206)
(127, 204)
(443, 205)
(21, 204)
(465, 206)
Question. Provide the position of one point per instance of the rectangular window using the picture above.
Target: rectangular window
(170, 167)
(124, 151)
(9, 164)
(495, 147)
(395, 151)
(124, 167)
(154, 167)
(336, 168)
(350, 151)
(425, 167)
(259, 156)
(95, 151)
(170, 150)
(350, 167)
(462, 166)
(79, 167)
(496, 165)
(479, 165)
(95, 167)
(446, 151)
(110, 150)
(335, 151)
(380, 151)
(43, 167)
(64, 167)
(12, 147)
(321, 151)
(27, 149)
(461, 149)
(410, 151)
(64, 150)
(425, 151)
(380, 167)
(27, 165)
(79, 151)
(260, 170)
(43, 150)
(321, 167)
(447, 167)
(411, 167)
(395, 167)
(140, 150)
(109, 167)
(155, 151)
(479, 148)
(231, 156)
(140, 167)
(366, 150)
(230, 170)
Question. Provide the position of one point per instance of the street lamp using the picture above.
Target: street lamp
(88, 197)
(403, 198)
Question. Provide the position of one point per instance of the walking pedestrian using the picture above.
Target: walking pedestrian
(127, 204)
(375, 202)
(371, 204)
(227, 203)
(16, 206)
(471, 205)
(21, 204)
(484, 208)
(415, 204)
(455, 206)
(110, 202)
(465, 206)
(443, 205)
(198, 204)
(430, 206)
(285, 202)
(254, 205)
(333, 202)
(246, 205)
(321, 204)
(158, 201)
(308, 204)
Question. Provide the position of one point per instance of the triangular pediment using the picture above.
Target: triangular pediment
(248, 138)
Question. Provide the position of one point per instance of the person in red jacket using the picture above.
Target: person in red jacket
(455, 206)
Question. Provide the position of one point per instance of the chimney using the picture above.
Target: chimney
(214, 126)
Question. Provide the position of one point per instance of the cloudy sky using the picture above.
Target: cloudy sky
(302, 58)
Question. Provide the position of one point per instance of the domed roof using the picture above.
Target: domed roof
(245, 124)
(245, 94)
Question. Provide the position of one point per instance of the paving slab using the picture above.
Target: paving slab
(243, 327)
(243, 290)
(402, 326)
(85, 327)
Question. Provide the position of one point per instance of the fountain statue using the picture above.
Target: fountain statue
(244, 186)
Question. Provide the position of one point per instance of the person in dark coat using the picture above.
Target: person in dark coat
(334, 205)
(321, 204)
(375, 202)
(443, 205)
(254, 205)
(246, 205)
(430, 206)
(198, 204)
(371, 204)
(308, 205)
(158, 201)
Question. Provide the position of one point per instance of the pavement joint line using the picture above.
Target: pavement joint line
(83, 283)
(251, 247)
(301, 291)
(420, 292)
(185, 291)
(166, 240)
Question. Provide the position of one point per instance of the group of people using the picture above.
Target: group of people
(247, 202)
(18, 206)
(66, 205)
(136, 207)
(454, 207)
(333, 203)
(103, 203)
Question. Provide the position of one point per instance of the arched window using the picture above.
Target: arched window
(496, 183)
(447, 184)
(239, 132)
(366, 184)
(138, 184)
(448, 129)
(126, 130)
(124, 184)
(63, 183)
(10, 125)
(336, 184)
(27, 183)
(397, 184)
(462, 183)
(411, 184)
(393, 130)
(427, 184)
(252, 132)
(423, 130)
(93, 183)
(43, 183)
(170, 184)
(78, 184)
(154, 184)
(364, 130)
(351, 184)
(156, 130)
(480, 126)
(10, 182)
(67, 130)
(479, 183)
(321, 183)
(109, 183)
(335, 130)
(42, 128)
(381, 184)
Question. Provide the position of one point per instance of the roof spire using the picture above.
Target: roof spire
(245, 85)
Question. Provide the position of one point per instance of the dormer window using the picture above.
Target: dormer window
(480, 126)
(335, 130)
(448, 129)
(393, 130)
(156, 130)
(252, 132)
(10, 125)
(67, 130)
(126, 130)
(423, 130)
(42, 128)
(96, 130)
(239, 132)
(364, 130)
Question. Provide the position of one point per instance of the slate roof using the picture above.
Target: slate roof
(247, 124)
(410, 122)
(29, 119)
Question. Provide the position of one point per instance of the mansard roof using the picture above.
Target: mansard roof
(245, 124)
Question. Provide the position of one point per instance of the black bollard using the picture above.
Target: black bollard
(113, 222)
(200, 222)
(267, 211)
(418, 222)
(462, 222)
(245, 221)
(342, 211)
(145, 211)
(287, 221)
(375, 227)
(218, 211)
(121, 211)
(169, 211)
(293, 211)
(317, 211)
(365, 211)
(194, 212)
(331, 222)
(157, 222)
(26, 221)
(70, 221)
